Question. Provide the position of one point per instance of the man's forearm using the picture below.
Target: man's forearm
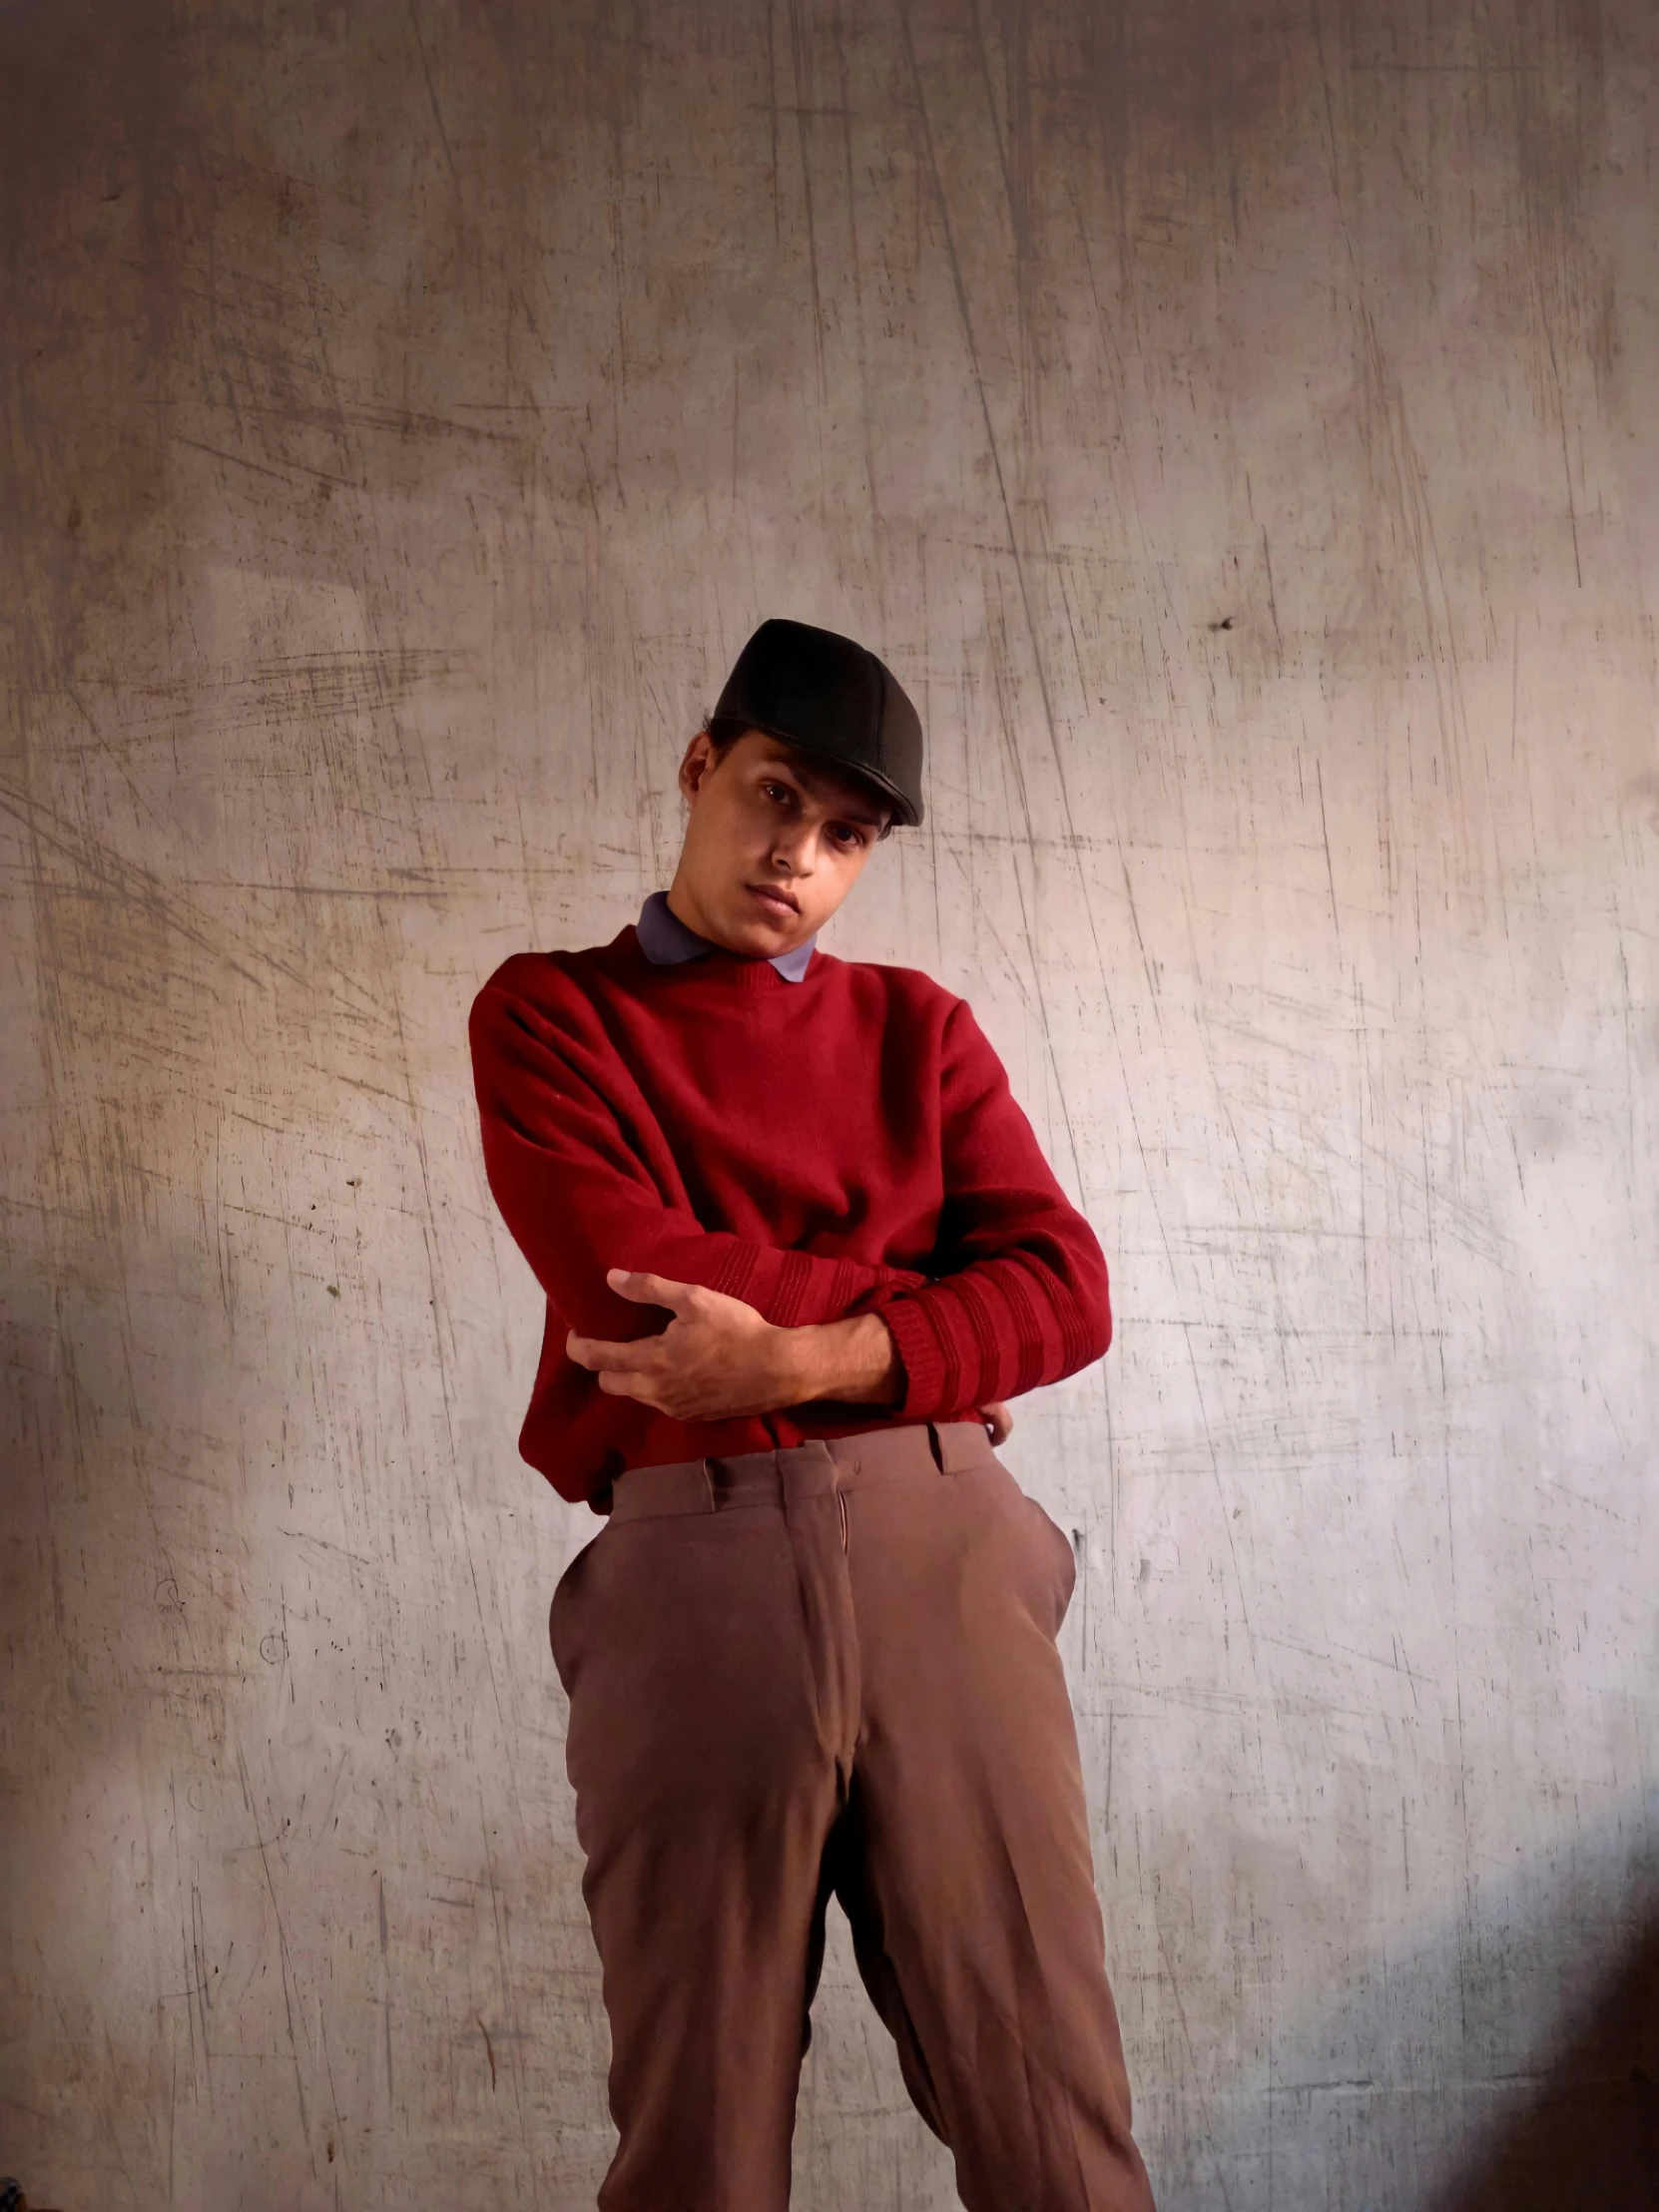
(857, 1362)
(720, 1360)
(854, 1360)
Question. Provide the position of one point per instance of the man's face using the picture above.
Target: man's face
(775, 843)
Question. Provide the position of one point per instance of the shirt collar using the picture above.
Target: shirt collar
(666, 940)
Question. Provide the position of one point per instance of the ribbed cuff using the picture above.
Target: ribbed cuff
(968, 1339)
(926, 1357)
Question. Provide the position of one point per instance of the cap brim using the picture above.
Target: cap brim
(906, 815)
(906, 812)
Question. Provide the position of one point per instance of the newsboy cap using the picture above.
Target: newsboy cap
(831, 697)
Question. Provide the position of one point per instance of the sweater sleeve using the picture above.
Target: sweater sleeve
(1021, 1298)
(570, 1166)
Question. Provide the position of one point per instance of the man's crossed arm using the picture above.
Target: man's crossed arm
(719, 1358)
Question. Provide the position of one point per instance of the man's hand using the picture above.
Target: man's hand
(999, 1421)
(719, 1358)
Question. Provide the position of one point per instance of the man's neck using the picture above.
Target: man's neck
(683, 907)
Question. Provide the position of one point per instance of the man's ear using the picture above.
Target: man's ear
(697, 758)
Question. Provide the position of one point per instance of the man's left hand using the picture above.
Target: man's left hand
(717, 1360)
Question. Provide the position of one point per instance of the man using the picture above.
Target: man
(798, 1246)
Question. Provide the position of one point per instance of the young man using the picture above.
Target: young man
(798, 1245)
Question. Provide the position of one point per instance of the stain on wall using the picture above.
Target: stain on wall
(1236, 427)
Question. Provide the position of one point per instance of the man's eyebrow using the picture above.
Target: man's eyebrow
(817, 784)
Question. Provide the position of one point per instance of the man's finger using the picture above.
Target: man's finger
(594, 1352)
(650, 1290)
(621, 1382)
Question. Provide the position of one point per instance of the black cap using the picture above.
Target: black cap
(825, 694)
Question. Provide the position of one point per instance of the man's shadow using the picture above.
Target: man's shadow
(1584, 2136)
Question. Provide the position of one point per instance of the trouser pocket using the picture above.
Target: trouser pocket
(1065, 1557)
(562, 1613)
(1045, 1550)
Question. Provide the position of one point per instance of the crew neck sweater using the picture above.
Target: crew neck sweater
(847, 1142)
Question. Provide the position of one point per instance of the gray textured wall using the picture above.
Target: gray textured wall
(1237, 424)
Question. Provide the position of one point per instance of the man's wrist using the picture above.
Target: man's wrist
(855, 1362)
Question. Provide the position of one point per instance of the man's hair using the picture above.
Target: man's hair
(729, 733)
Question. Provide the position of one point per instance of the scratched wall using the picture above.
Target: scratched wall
(1236, 425)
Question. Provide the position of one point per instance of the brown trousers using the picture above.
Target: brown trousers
(832, 1669)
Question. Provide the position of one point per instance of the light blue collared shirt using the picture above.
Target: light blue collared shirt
(666, 941)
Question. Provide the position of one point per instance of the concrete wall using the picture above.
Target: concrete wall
(1238, 426)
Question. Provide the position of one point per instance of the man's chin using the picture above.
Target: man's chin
(758, 936)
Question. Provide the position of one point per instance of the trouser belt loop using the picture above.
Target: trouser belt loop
(710, 1502)
(959, 1446)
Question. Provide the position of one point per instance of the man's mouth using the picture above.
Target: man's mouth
(775, 901)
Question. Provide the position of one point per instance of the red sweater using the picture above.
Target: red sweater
(839, 1145)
